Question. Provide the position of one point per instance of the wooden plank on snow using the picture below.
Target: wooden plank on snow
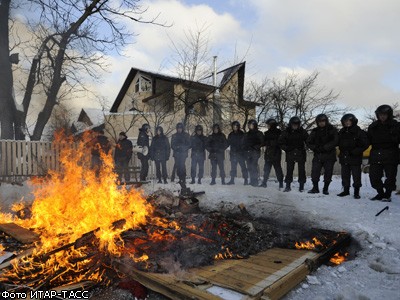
(167, 284)
(268, 275)
(19, 233)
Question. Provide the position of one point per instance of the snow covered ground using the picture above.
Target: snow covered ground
(373, 274)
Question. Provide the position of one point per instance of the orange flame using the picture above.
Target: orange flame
(226, 254)
(75, 201)
(309, 245)
(339, 258)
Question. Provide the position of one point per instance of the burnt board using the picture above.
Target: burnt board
(19, 233)
(267, 275)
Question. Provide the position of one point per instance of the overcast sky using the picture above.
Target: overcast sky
(354, 44)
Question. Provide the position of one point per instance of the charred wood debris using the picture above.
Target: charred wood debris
(201, 238)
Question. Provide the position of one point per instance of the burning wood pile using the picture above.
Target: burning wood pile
(87, 225)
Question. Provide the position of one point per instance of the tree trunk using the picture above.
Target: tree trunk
(58, 78)
(7, 103)
(51, 100)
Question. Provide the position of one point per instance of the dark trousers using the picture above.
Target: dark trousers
(316, 169)
(122, 168)
(252, 166)
(144, 168)
(161, 169)
(347, 171)
(277, 167)
(197, 161)
(173, 173)
(217, 162)
(235, 160)
(301, 167)
(376, 172)
(181, 167)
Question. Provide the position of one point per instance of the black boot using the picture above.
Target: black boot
(193, 181)
(159, 180)
(246, 181)
(378, 196)
(325, 188)
(357, 193)
(301, 187)
(223, 181)
(345, 192)
(315, 189)
(212, 181)
(387, 196)
(263, 184)
(232, 181)
(281, 184)
(254, 183)
(287, 188)
(199, 181)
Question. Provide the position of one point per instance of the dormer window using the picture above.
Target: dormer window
(143, 84)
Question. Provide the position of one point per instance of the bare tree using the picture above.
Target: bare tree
(192, 60)
(117, 122)
(234, 107)
(160, 112)
(296, 96)
(60, 120)
(71, 37)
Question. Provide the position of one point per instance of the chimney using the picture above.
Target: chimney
(215, 71)
(217, 104)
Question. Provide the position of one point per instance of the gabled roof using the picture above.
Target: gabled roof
(95, 115)
(225, 75)
(132, 75)
(88, 119)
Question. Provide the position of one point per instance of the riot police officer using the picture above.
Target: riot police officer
(293, 142)
(235, 142)
(323, 140)
(180, 144)
(198, 145)
(383, 135)
(216, 146)
(252, 143)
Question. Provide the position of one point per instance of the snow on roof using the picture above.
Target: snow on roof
(96, 115)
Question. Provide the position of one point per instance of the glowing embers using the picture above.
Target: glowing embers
(339, 258)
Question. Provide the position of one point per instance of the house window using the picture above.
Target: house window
(143, 84)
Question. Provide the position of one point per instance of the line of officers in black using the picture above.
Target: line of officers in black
(245, 150)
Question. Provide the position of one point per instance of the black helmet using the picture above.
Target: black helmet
(321, 117)
(180, 125)
(351, 117)
(235, 123)
(145, 127)
(198, 128)
(254, 122)
(294, 120)
(384, 109)
(271, 121)
(216, 126)
(159, 128)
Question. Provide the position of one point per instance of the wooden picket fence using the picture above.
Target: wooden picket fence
(20, 160)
